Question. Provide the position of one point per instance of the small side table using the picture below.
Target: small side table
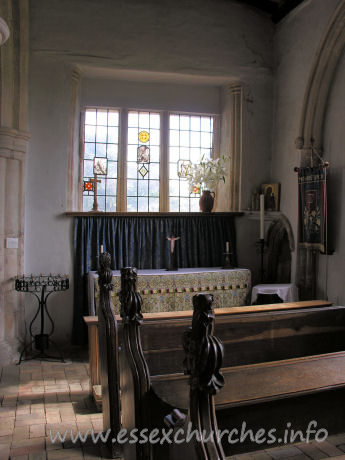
(41, 286)
(287, 292)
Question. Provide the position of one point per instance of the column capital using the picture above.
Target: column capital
(233, 88)
(76, 74)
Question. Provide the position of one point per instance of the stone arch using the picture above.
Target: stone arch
(280, 244)
(312, 123)
(320, 81)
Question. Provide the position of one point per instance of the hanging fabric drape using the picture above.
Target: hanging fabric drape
(141, 242)
(313, 207)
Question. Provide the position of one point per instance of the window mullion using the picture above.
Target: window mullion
(164, 164)
(122, 163)
(81, 160)
(216, 137)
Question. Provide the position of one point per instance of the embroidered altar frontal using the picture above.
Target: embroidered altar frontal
(173, 291)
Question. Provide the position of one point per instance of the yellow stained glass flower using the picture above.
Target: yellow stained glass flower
(144, 136)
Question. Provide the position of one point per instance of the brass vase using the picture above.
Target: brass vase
(206, 201)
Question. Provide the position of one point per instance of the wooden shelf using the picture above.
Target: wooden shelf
(269, 215)
(151, 214)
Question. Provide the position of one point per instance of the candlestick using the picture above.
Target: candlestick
(227, 246)
(262, 217)
(101, 248)
(262, 250)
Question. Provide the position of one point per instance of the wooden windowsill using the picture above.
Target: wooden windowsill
(150, 214)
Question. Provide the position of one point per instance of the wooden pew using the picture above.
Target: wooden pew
(265, 343)
(95, 380)
(92, 324)
(108, 356)
(279, 367)
(204, 354)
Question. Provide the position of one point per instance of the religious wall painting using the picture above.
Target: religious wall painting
(272, 196)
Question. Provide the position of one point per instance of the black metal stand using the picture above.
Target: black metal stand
(45, 285)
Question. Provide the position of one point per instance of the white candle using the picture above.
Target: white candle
(227, 246)
(101, 247)
(262, 217)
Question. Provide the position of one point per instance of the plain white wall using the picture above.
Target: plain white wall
(185, 37)
(149, 95)
(48, 233)
(221, 41)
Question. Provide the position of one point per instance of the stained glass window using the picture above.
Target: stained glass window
(184, 139)
(190, 138)
(143, 157)
(101, 134)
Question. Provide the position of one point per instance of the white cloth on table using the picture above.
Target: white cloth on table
(287, 292)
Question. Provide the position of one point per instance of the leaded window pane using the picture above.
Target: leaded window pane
(143, 160)
(101, 133)
(190, 139)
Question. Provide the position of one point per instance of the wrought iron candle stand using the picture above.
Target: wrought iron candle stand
(41, 286)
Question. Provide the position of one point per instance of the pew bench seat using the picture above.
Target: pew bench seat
(155, 318)
(262, 382)
(273, 353)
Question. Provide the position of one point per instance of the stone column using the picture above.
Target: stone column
(229, 194)
(13, 146)
(236, 147)
(74, 200)
(12, 169)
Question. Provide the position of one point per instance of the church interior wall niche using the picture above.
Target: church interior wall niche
(278, 256)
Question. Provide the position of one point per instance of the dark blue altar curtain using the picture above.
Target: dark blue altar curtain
(141, 242)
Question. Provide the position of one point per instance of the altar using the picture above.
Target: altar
(163, 290)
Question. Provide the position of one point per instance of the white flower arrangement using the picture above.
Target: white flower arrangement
(207, 174)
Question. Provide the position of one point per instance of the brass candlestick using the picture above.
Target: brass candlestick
(227, 261)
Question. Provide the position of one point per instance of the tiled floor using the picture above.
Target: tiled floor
(40, 396)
